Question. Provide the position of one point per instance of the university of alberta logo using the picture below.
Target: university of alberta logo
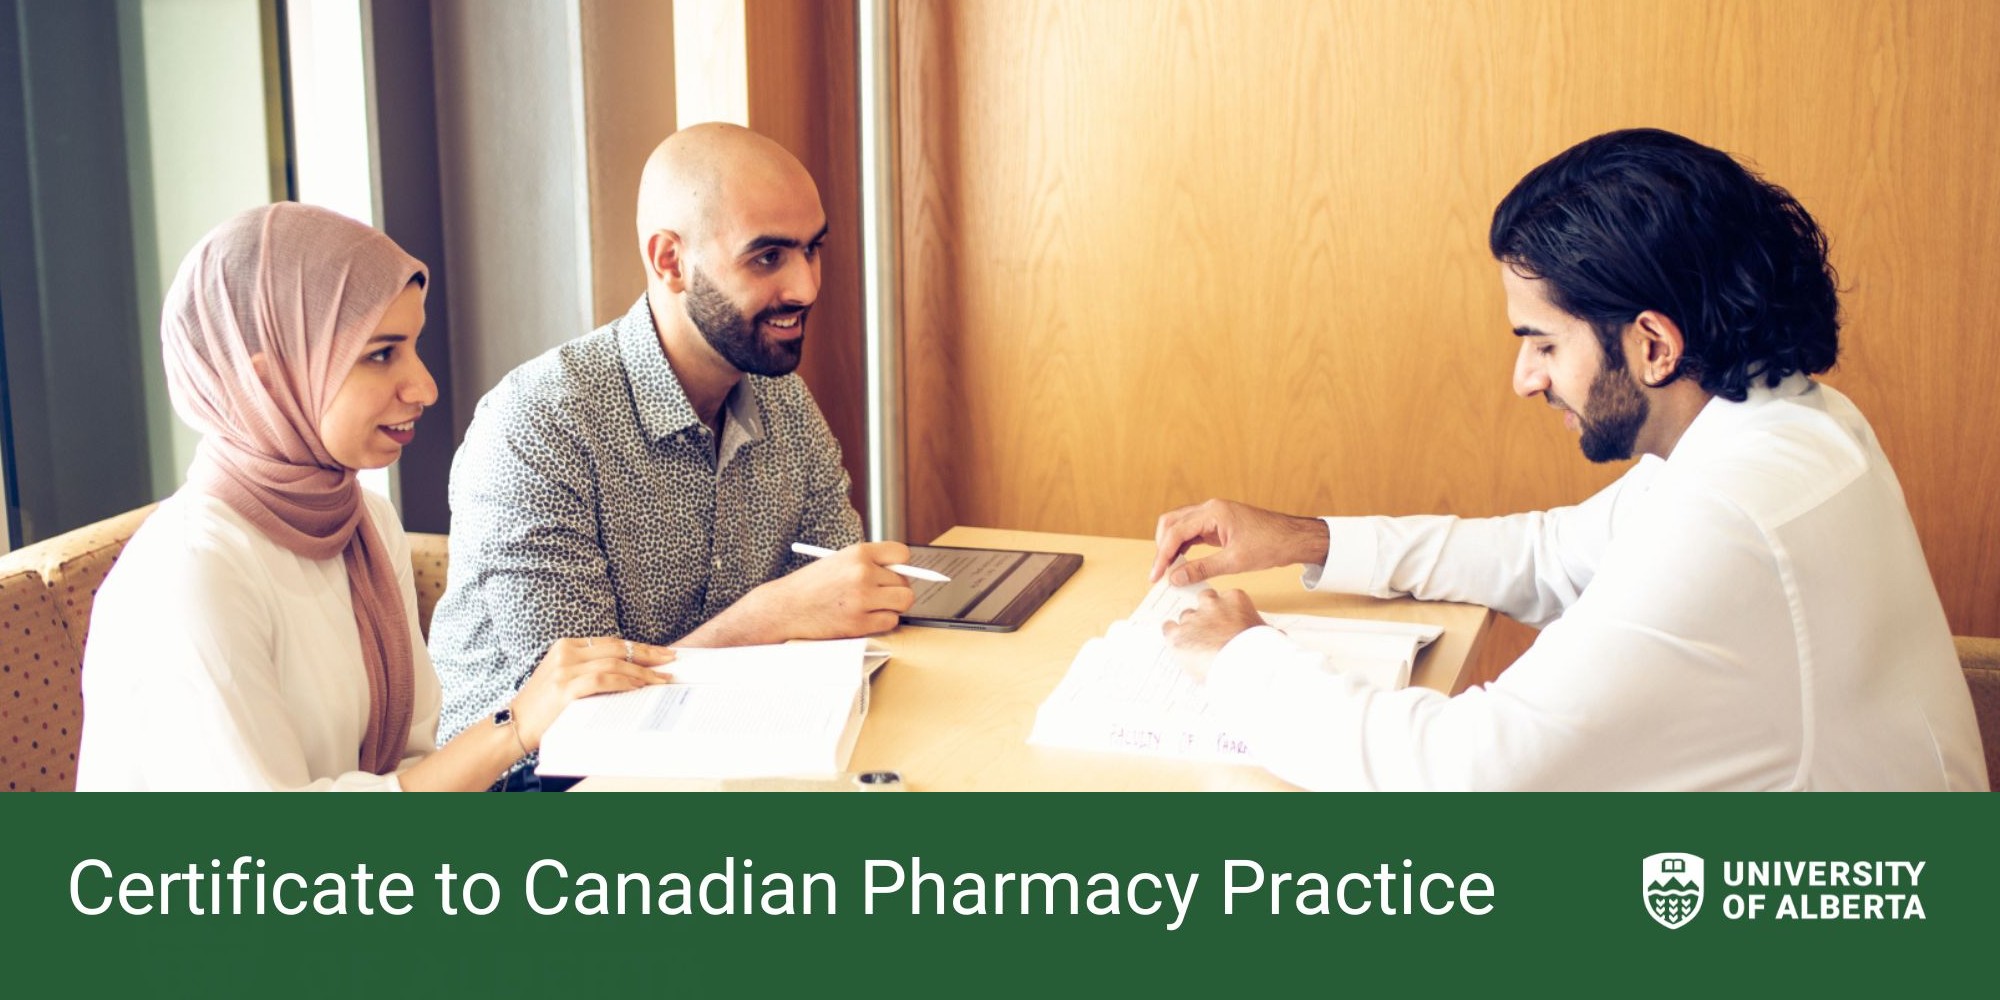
(1672, 887)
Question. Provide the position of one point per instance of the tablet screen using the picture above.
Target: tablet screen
(985, 583)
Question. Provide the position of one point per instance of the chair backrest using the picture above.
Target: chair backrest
(41, 688)
(75, 564)
(46, 593)
(45, 613)
(1981, 660)
(430, 558)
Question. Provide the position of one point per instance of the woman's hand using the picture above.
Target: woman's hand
(579, 668)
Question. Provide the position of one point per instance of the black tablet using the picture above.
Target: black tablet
(993, 590)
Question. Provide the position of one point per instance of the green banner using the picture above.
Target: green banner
(541, 895)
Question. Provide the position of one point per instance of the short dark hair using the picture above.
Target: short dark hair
(1645, 219)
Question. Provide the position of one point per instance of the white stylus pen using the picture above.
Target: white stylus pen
(913, 572)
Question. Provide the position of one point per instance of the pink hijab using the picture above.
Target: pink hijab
(263, 323)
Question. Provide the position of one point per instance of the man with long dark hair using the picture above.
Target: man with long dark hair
(1746, 608)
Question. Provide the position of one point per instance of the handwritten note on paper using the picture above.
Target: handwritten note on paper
(1128, 690)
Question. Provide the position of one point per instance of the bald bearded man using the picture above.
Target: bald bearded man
(648, 480)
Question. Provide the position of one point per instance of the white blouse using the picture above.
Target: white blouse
(218, 660)
(1752, 613)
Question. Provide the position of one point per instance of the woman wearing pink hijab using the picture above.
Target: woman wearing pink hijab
(260, 630)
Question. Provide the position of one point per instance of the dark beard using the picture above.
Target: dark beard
(1617, 411)
(736, 338)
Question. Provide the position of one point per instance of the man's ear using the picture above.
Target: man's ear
(664, 260)
(1654, 348)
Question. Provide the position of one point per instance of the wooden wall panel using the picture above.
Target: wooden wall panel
(1157, 251)
(628, 107)
(802, 86)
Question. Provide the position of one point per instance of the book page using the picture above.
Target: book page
(784, 665)
(710, 710)
(1379, 654)
(746, 710)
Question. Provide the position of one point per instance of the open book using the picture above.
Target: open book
(745, 711)
(1127, 689)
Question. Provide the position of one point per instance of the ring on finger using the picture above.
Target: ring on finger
(628, 651)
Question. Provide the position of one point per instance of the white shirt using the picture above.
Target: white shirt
(1752, 613)
(218, 660)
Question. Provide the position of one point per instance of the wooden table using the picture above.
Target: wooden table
(952, 709)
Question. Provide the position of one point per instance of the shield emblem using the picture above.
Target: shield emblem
(1672, 887)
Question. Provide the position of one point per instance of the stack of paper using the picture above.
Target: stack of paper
(746, 711)
(1128, 691)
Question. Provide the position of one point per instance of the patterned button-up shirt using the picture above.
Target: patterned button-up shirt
(588, 499)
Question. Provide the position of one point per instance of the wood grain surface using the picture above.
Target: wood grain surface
(628, 108)
(802, 92)
(953, 708)
(1158, 251)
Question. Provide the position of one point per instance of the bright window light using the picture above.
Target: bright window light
(333, 139)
